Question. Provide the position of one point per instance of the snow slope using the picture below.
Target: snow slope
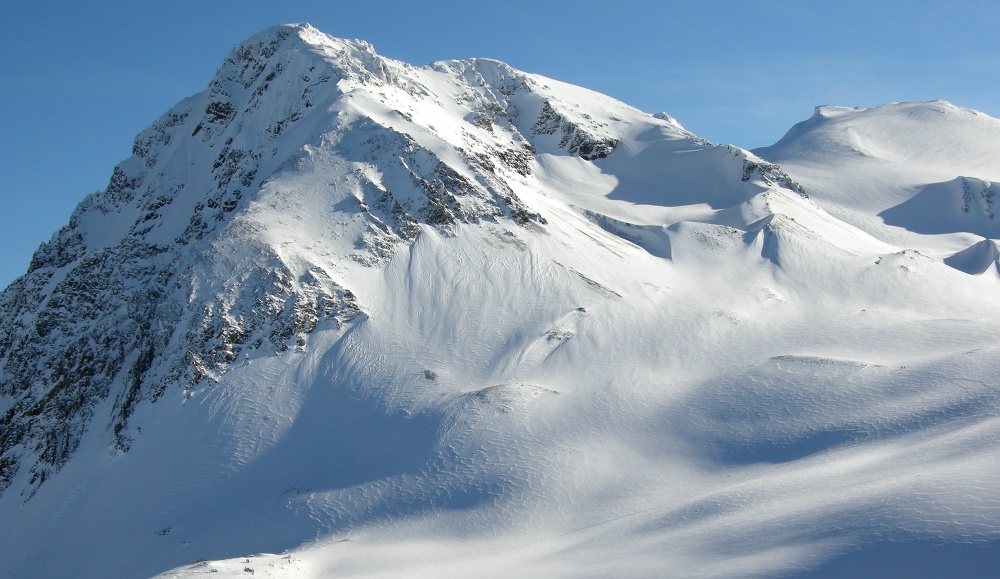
(912, 174)
(460, 320)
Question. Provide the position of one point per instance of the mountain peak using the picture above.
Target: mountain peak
(832, 111)
(337, 295)
(935, 132)
(299, 46)
(300, 33)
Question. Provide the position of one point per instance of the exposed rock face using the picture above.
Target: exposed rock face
(576, 140)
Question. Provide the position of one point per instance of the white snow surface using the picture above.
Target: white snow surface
(685, 367)
(913, 174)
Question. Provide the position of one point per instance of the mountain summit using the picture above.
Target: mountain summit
(464, 320)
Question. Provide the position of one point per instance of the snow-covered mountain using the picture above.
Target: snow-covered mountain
(918, 175)
(461, 320)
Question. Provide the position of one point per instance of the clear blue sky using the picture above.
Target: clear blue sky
(79, 79)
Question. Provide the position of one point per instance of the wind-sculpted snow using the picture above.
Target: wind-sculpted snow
(918, 175)
(461, 320)
(963, 204)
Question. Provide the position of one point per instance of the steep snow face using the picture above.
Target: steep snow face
(463, 320)
(900, 169)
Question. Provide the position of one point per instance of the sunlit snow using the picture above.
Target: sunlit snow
(672, 358)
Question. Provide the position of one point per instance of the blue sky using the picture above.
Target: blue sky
(79, 79)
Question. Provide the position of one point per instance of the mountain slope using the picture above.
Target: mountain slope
(463, 320)
(900, 169)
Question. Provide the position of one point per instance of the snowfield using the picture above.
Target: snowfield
(343, 316)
